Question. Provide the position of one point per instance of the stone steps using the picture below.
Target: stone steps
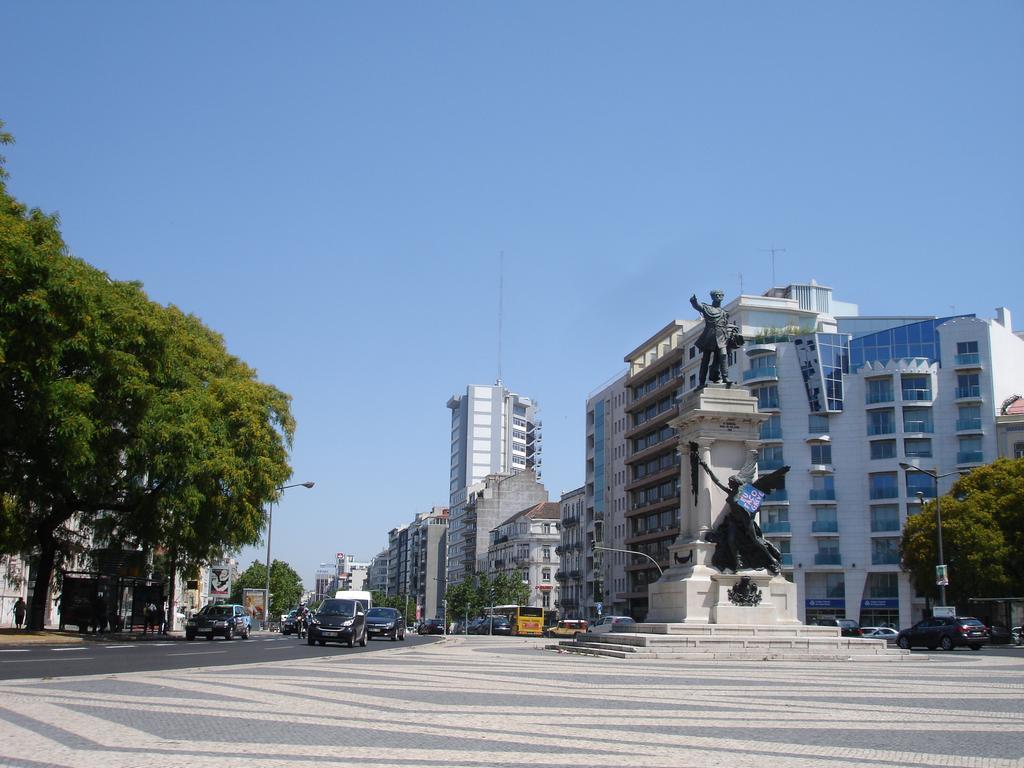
(748, 645)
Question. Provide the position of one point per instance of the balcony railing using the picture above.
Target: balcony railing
(827, 558)
(918, 426)
(824, 526)
(917, 394)
(969, 358)
(766, 372)
(964, 425)
(778, 526)
(881, 429)
(771, 433)
(969, 457)
(885, 558)
(770, 464)
(778, 495)
(889, 492)
(823, 494)
(872, 398)
(569, 522)
(787, 560)
(969, 392)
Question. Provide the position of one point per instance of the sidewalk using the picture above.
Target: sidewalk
(495, 703)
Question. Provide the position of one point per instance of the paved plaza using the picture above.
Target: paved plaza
(505, 701)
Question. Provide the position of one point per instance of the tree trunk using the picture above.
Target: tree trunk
(41, 584)
(172, 574)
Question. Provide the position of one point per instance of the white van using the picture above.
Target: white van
(354, 594)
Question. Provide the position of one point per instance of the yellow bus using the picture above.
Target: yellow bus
(525, 619)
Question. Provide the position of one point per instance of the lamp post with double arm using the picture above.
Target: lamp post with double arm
(270, 522)
(938, 521)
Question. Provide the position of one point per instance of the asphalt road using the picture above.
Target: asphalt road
(102, 658)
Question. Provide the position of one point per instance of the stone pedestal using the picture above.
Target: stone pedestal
(723, 423)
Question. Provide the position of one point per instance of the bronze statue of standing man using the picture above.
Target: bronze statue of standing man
(718, 337)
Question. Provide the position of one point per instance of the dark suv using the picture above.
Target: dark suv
(226, 619)
(947, 632)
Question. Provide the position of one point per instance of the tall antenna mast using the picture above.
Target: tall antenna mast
(773, 250)
(741, 283)
(501, 308)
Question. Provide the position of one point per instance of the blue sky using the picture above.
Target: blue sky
(330, 186)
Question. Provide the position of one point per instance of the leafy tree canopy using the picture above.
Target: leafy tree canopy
(982, 536)
(285, 585)
(121, 421)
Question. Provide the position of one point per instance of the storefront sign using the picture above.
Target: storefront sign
(825, 603)
(880, 602)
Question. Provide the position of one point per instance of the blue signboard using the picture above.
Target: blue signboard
(750, 498)
(880, 602)
(825, 603)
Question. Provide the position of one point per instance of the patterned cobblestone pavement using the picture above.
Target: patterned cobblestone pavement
(504, 702)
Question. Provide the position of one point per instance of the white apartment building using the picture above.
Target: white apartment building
(493, 432)
(849, 399)
(525, 544)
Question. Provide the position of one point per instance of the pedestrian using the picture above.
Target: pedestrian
(19, 613)
(149, 618)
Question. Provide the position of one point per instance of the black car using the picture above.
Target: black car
(227, 619)
(431, 627)
(847, 627)
(498, 625)
(288, 624)
(999, 634)
(385, 622)
(337, 621)
(947, 632)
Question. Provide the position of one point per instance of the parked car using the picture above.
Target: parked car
(288, 622)
(227, 619)
(847, 627)
(999, 635)
(1018, 635)
(337, 621)
(497, 625)
(880, 633)
(385, 622)
(947, 632)
(474, 626)
(431, 627)
(607, 623)
(568, 628)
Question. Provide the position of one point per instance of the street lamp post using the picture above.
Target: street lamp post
(631, 552)
(270, 522)
(938, 519)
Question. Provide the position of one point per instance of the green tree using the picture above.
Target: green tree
(982, 536)
(121, 420)
(460, 600)
(509, 589)
(285, 585)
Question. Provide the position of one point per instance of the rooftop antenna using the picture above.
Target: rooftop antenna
(501, 308)
(773, 250)
(741, 283)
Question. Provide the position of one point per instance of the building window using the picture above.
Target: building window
(545, 575)
(821, 453)
(967, 347)
(769, 457)
(545, 600)
(823, 488)
(885, 551)
(825, 520)
(879, 391)
(772, 428)
(546, 554)
(767, 397)
(883, 449)
(1018, 450)
(968, 417)
(882, 585)
(917, 447)
(817, 423)
(970, 450)
(919, 482)
(917, 387)
(883, 485)
(885, 517)
(881, 422)
(918, 420)
(968, 385)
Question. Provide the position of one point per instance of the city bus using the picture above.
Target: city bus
(525, 619)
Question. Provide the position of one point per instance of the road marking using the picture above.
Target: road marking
(46, 661)
(77, 648)
(15, 650)
(195, 653)
(162, 645)
(118, 646)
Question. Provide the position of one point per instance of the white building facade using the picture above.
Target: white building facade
(525, 545)
(493, 432)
